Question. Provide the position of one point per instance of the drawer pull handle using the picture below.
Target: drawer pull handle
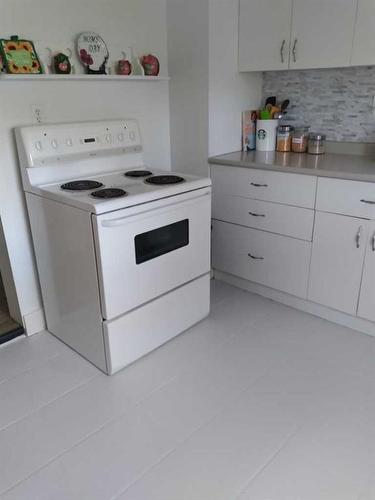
(373, 242)
(368, 202)
(259, 185)
(256, 215)
(359, 237)
(254, 257)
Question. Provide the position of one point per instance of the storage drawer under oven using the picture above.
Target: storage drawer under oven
(141, 256)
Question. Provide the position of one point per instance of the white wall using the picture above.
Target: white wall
(55, 23)
(230, 92)
(188, 66)
(207, 94)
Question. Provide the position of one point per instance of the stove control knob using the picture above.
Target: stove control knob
(108, 138)
(120, 137)
(132, 136)
(69, 142)
(54, 144)
(38, 146)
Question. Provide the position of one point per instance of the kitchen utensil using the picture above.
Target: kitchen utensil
(285, 105)
(271, 100)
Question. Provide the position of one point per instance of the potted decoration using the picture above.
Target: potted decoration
(124, 66)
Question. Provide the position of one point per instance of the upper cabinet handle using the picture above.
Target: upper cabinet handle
(259, 185)
(373, 242)
(359, 237)
(282, 51)
(295, 50)
(368, 202)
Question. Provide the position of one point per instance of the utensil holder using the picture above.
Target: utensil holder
(266, 135)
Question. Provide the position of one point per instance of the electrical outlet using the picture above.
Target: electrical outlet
(37, 113)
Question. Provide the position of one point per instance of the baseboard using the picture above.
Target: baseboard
(9, 336)
(34, 322)
(340, 318)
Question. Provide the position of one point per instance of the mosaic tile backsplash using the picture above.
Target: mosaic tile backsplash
(337, 102)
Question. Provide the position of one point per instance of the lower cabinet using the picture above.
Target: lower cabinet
(275, 261)
(337, 261)
(366, 308)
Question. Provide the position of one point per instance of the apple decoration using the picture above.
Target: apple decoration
(151, 65)
(124, 66)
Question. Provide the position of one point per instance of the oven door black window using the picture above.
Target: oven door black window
(161, 241)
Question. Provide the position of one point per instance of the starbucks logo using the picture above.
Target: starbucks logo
(262, 134)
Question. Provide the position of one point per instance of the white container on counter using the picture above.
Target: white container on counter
(266, 135)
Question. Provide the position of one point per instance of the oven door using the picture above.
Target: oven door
(146, 251)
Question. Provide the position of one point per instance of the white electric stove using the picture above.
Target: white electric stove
(123, 251)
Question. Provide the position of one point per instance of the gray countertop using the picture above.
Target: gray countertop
(340, 166)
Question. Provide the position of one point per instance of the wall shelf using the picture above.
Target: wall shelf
(85, 78)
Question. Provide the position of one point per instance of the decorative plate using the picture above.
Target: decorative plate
(92, 52)
(19, 56)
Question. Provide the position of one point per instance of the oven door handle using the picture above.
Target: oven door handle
(125, 220)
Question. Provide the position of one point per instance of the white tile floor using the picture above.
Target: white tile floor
(258, 402)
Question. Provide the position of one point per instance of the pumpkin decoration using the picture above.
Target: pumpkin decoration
(19, 56)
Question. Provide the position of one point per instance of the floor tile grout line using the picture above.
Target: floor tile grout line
(270, 460)
(231, 338)
(28, 370)
(63, 394)
(112, 420)
(41, 362)
(88, 436)
(201, 426)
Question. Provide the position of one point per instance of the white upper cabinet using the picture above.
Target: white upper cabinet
(264, 42)
(322, 33)
(302, 34)
(364, 39)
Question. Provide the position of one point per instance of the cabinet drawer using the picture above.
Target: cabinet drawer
(289, 189)
(346, 197)
(281, 219)
(274, 261)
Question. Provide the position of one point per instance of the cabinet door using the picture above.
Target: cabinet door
(364, 40)
(322, 33)
(366, 307)
(337, 261)
(264, 34)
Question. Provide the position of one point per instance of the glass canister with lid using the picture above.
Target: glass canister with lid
(284, 138)
(300, 139)
(317, 144)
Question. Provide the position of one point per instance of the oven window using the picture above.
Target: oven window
(160, 241)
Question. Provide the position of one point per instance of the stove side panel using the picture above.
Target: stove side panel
(65, 255)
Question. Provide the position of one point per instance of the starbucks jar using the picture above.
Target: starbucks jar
(300, 139)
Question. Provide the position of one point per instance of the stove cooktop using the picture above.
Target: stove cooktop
(109, 193)
(81, 185)
(136, 174)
